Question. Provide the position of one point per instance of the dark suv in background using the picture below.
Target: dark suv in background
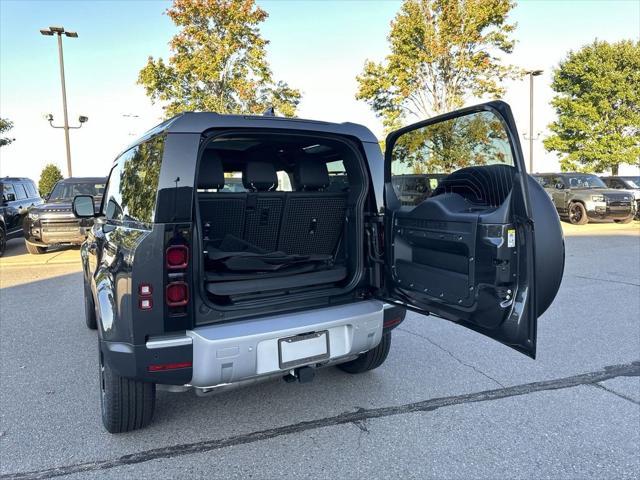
(630, 183)
(53, 222)
(18, 196)
(580, 197)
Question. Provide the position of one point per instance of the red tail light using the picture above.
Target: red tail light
(177, 294)
(177, 257)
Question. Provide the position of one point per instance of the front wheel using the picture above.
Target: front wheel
(577, 214)
(371, 359)
(35, 249)
(126, 404)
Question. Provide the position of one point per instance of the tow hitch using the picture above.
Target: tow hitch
(301, 374)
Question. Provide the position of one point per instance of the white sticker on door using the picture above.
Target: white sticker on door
(511, 238)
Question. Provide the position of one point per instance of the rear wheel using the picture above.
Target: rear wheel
(369, 360)
(577, 214)
(126, 404)
(3, 240)
(35, 249)
(89, 308)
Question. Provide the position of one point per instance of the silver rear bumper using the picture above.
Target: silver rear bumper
(239, 351)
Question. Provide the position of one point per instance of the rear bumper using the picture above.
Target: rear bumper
(237, 351)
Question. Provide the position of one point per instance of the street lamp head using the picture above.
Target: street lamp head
(71, 34)
(83, 119)
(57, 29)
(46, 32)
(49, 117)
(536, 73)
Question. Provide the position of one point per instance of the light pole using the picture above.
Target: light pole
(59, 31)
(531, 73)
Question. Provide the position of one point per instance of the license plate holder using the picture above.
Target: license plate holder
(303, 349)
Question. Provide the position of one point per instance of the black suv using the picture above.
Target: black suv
(53, 222)
(312, 259)
(580, 197)
(18, 196)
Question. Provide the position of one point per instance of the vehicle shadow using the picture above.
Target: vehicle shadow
(16, 247)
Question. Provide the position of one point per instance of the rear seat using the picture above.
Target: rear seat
(263, 207)
(222, 213)
(313, 219)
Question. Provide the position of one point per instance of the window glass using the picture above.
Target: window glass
(421, 158)
(585, 180)
(133, 183)
(67, 191)
(21, 193)
(7, 188)
(31, 189)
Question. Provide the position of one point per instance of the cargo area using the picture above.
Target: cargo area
(279, 214)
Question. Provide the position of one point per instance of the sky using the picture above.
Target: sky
(316, 46)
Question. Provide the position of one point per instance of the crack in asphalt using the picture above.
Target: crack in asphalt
(451, 354)
(359, 416)
(617, 394)
(607, 280)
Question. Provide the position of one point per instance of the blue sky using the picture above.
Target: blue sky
(316, 46)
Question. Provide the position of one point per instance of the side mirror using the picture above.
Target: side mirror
(560, 186)
(83, 206)
(46, 196)
(11, 197)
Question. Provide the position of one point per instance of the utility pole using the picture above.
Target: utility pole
(531, 73)
(59, 31)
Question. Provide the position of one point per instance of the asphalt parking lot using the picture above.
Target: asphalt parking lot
(448, 403)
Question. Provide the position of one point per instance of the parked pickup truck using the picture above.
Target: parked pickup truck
(580, 197)
(312, 260)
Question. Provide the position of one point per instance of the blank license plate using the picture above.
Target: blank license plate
(301, 349)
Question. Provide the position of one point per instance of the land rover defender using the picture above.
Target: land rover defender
(233, 248)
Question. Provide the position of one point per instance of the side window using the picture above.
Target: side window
(21, 193)
(130, 194)
(7, 189)
(558, 180)
(423, 157)
(338, 180)
(31, 189)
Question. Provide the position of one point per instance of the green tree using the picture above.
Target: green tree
(218, 62)
(5, 126)
(49, 176)
(441, 52)
(598, 106)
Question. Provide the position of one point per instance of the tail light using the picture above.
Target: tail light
(169, 366)
(177, 257)
(177, 294)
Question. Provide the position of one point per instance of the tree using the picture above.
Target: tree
(218, 62)
(5, 126)
(49, 176)
(598, 107)
(441, 52)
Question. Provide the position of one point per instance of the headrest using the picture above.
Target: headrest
(211, 174)
(311, 174)
(259, 177)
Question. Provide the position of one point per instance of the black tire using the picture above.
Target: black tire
(369, 360)
(3, 241)
(577, 214)
(89, 308)
(126, 404)
(35, 249)
(626, 220)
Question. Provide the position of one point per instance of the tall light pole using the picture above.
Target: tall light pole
(59, 31)
(531, 73)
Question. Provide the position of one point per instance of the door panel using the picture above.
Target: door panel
(465, 251)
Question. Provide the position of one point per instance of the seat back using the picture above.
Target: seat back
(313, 219)
(221, 213)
